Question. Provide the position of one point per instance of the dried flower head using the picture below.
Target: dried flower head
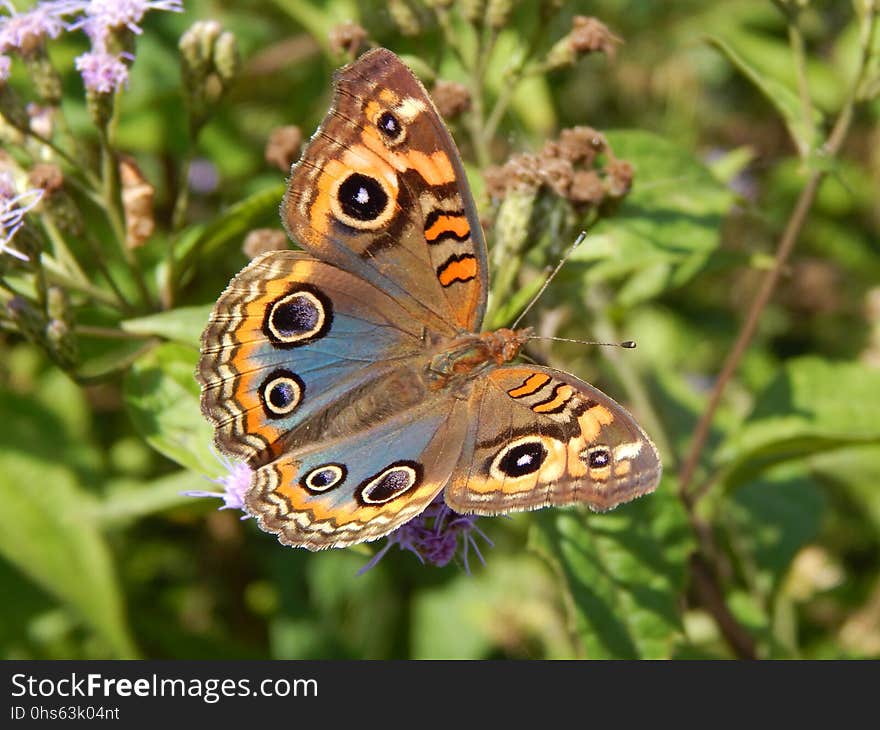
(347, 38)
(282, 148)
(263, 240)
(569, 166)
(137, 203)
(433, 536)
(450, 98)
(589, 35)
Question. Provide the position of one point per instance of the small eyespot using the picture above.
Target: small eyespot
(390, 127)
(324, 477)
(298, 317)
(281, 393)
(599, 457)
(362, 197)
(389, 484)
(519, 459)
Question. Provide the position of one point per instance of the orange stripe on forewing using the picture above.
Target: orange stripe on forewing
(448, 224)
(561, 395)
(463, 269)
(532, 384)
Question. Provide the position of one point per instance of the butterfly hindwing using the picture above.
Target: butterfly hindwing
(380, 191)
(288, 337)
(363, 484)
(543, 437)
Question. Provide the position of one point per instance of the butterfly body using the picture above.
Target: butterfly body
(353, 376)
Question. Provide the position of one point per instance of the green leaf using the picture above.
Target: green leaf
(232, 224)
(183, 325)
(770, 519)
(812, 407)
(665, 229)
(41, 535)
(784, 99)
(162, 396)
(128, 499)
(506, 605)
(624, 572)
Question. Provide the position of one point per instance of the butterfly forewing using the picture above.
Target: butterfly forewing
(380, 191)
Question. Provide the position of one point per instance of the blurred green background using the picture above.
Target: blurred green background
(101, 555)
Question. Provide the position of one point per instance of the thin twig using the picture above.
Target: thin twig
(786, 244)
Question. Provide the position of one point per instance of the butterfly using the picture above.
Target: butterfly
(353, 377)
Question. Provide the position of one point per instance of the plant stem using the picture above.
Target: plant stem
(786, 244)
(109, 188)
(56, 274)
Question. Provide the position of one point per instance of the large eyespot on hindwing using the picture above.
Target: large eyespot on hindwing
(391, 127)
(301, 316)
(393, 481)
(520, 458)
(362, 201)
(281, 392)
(324, 477)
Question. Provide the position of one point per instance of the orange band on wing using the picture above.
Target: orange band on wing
(561, 395)
(532, 384)
(448, 226)
(457, 268)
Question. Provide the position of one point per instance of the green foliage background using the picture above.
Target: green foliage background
(103, 557)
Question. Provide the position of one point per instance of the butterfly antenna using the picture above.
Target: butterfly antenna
(626, 344)
(566, 257)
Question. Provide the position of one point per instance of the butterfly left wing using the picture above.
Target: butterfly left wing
(543, 437)
(380, 191)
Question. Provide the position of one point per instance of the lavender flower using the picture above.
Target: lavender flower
(24, 31)
(433, 536)
(235, 483)
(103, 16)
(103, 72)
(13, 208)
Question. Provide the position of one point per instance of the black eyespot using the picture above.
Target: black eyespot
(390, 126)
(389, 484)
(522, 459)
(324, 477)
(362, 198)
(281, 393)
(295, 316)
(599, 458)
(301, 316)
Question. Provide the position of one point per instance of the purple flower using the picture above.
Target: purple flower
(103, 72)
(5, 63)
(23, 31)
(235, 483)
(102, 16)
(13, 208)
(433, 536)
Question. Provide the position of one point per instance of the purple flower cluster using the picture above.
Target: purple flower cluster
(102, 70)
(13, 208)
(433, 536)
